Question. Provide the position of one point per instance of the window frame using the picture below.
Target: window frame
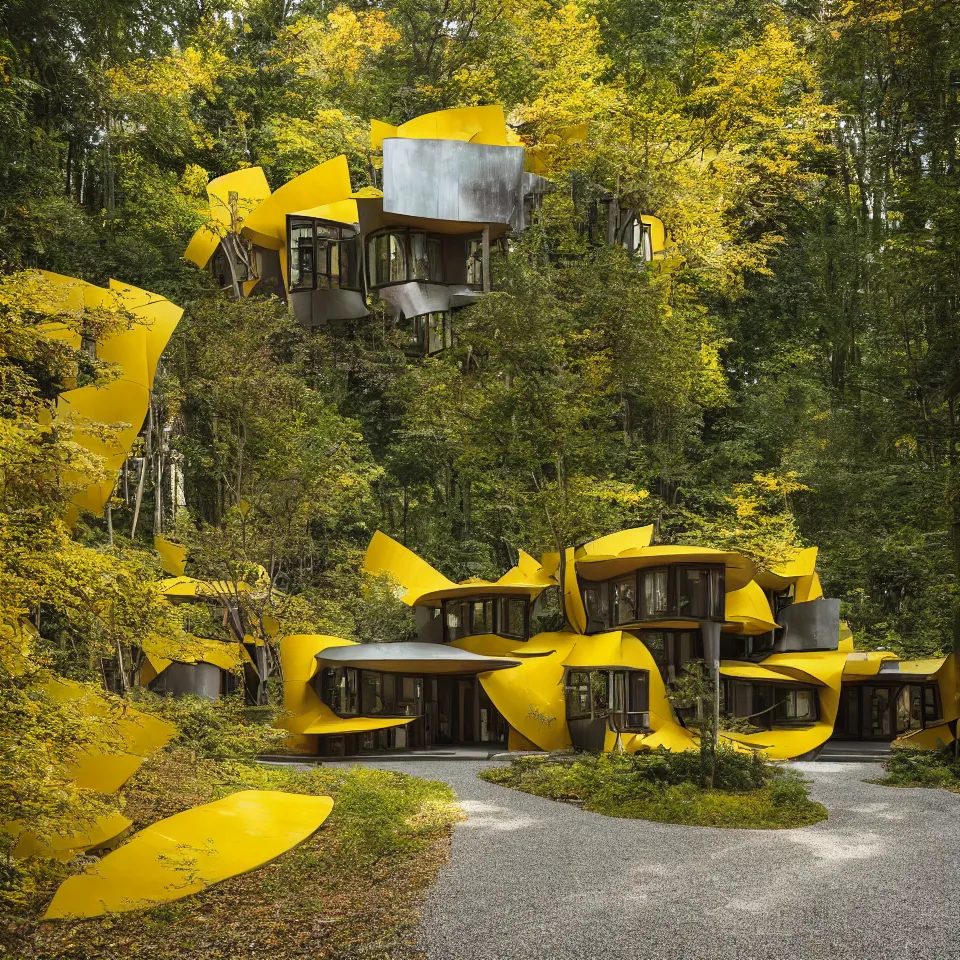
(619, 705)
(332, 236)
(406, 233)
(716, 582)
(495, 616)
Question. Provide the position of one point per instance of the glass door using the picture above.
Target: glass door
(878, 723)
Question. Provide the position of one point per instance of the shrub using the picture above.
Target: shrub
(923, 768)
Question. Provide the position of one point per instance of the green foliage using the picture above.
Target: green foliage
(749, 792)
(367, 867)
(907, 767)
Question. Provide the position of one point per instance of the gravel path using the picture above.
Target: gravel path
(530, 878)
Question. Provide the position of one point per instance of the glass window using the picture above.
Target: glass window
(638, 700)
(419, 267)
(410, 696)
(340, 690)
(672, 650)
(302, 271)
(475, 263)
(456, 619)
(600, 692)
(436, 327)
(653, 584)
(481, 616)
(931, 707)
(387, 258)
(646, 243)
(700, 592)
(435, 259)
(577, 692)
(513, 618)
(596, 604)
(625, 600)
(333, 273)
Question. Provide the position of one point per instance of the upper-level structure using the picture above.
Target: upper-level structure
(450, 186)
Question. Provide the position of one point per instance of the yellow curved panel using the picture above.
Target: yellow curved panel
(865, 664)
(173, 556)
(572, 600)
(530, 572)
(380, 131)
(298, 661)
(65, 846)
(191, 587)
(340, 211)
(202, 246)
(932, 737)
(635, 538)
(102, 772)
(749, 609)
(189, 852)
(159, 316)
(477, 124)
(414, 576)
(753, 671)
(531, 699)
(808, 588)
(782, 575)
(326, 721)
(325, 183)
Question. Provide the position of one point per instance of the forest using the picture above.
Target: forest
(795, 381)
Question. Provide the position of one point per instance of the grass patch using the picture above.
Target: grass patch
(751, 792)
(908, 767)
(351, 891)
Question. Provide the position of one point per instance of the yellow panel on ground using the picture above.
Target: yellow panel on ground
(326, 183)
(67, 845)
(749, 609)
(173, 556)
(933, 737)
(190, 851)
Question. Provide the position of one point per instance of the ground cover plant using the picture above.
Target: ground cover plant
(749, 791)
(922, 768)
(350, 890)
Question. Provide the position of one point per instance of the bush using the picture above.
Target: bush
(749, 790)
(908, 767)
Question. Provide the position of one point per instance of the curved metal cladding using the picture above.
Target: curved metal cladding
(197, 679)
(454, 180)
(813, 625)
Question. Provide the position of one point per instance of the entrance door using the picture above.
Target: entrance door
(466, 694)
(879, 719)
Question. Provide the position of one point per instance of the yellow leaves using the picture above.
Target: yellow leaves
(335, 48)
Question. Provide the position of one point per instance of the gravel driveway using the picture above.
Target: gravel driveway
(530, 878)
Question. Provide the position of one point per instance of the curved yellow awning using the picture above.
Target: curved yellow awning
(326, 183)
(340, 211)
(476, 124)
(748, 610)
(191, 851)
(780, 577)
(753, 671)
(613, 544)
(739, 569)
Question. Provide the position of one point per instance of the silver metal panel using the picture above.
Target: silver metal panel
(814, 625)
(393, 656)
(415, 299)
(453, 180)
(198, 679)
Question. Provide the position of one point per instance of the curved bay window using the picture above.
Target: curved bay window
(429, 333)
(322, 256)
(769, 705)
(351, 692)
(681, 591)
(620, 696)
(399, 255)
(476, 616)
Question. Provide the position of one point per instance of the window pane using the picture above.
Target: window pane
(372, 693)
(930, 711)
(578, 695)
(513, 618)
(435, 323)
(419, 267)
(656, 642)
(600, 691)
(435, 260)
(654, 585)
(717, 596)
(475, 263)
(647, 244)
(638, 692)
(457, 622)
(595, 604)
(301, 255)
(398, 258)
(625, 600)
(693, 592)
(349, 692)
(333, 277)
(322, 267)
(482, 614)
